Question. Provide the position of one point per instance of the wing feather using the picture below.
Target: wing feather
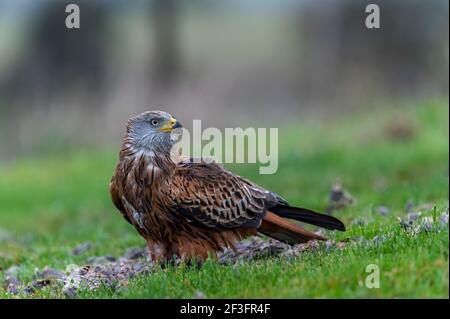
(218, 198)
(115, 196)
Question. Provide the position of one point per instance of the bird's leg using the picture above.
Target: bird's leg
(156, 252)
(194, 253)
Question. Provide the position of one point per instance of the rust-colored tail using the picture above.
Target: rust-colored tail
(279, 228)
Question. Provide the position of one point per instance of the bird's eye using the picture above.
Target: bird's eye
(155, 122)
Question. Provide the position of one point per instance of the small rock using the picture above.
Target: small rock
(413, 217)
(443, 220)
(99, 260)
(50, 273)
(359, 222)
(425, 207)
(383, 210)
(70, 268)
(82, 248)
(13, 289)
(134, 253)
(254, 248)
(409, 205)
(411, 224)
(12, 271)
(122, 260)
(12, 280)
(320, 232)
(406, 224)
(110, 258)
(84, 270)
(339, 198)
(379, 239)
(199, 295)
(358, 238)
(141, 268)
(329, 244)
(70, 292)
(313, 244)
(427, 224)
(98, 269)
(39, 284)
(36, 285)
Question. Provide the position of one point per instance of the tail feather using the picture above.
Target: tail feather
(308, 216)
(276, 227)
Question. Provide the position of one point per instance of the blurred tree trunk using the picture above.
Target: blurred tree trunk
(340, 56)
(58, 60)
(166, 58)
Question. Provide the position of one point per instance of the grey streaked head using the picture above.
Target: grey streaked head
(151, 131)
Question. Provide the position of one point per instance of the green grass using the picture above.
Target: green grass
(50, 204)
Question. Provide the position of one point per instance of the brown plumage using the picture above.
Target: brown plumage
(192, 210)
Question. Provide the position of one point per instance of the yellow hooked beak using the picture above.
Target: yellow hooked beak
(170, 125)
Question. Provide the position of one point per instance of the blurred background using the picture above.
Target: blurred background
(363, 120)
(229, 63)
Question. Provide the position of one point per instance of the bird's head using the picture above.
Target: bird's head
(152, 130)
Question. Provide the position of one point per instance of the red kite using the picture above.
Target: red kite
(194, 209)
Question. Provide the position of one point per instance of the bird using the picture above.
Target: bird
(192, 210)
